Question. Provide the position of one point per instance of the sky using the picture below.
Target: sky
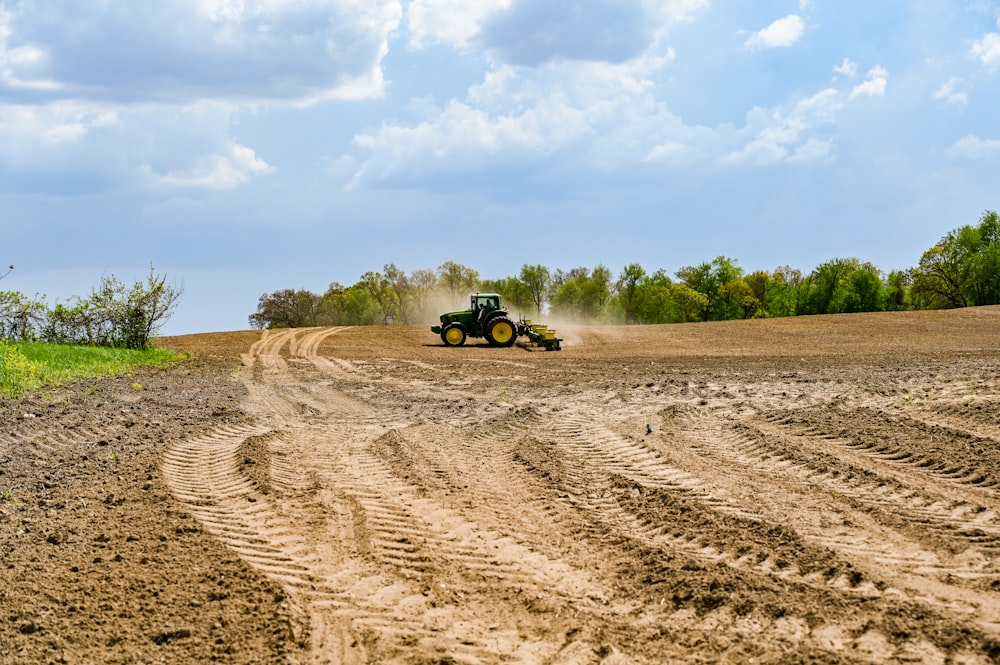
(241, 147)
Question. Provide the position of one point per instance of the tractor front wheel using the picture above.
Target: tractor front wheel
(453, 335)
(501, 331)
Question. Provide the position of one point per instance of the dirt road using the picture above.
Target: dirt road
(822, 489)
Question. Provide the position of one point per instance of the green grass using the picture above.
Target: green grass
(29, 366)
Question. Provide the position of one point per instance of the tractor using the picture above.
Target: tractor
(487, 318)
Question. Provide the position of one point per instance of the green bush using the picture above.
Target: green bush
(18, 374)
(115, 315)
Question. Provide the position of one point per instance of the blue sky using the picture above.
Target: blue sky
(246, 146)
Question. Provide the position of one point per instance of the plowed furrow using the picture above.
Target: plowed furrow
(14, 441)
(713, 538)
(407, 553)
(942, 452)
(203, 474)
(307, 342)
(896, 511)
(880, 480)
(671, 532)
(597, 445)
(483, 480)
(821, 464)
(421, 535)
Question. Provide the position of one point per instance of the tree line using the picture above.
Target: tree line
(114, 315)
(961, 270)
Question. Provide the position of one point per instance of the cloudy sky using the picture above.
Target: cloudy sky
(246, 146)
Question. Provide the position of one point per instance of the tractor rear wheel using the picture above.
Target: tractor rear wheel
(501, 331)
(453, 335)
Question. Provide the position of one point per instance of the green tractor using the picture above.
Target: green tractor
(486, 318)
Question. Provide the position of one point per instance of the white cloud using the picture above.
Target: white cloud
(20, 65)
(847, 68)
(76, 124)
(987, 50)
(453, 22)
(280, 51)
(669, 13)
(782, 33)
(973, 147)
(596, 116)
(531, 33)
(812, 150)
(60, 133)
(673, 152)
(101, 93)
(952, 94)
(87, 146)
(874, 85)
(236, 167)
(522, 115)
(780, 135)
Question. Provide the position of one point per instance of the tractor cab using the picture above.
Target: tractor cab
(483, 304)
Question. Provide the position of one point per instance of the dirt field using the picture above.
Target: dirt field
(810, 490)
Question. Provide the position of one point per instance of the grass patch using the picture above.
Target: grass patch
(29, 366)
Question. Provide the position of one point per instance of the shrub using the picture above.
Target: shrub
(17, 374)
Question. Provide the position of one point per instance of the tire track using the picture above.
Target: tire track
(820, 464)
(925, 447)
(969, 516)
(203, 473)
(597, 464)
(451, 510)
(654, 523)
(399, 558)
(872, 521)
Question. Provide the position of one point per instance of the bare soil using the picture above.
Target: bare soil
(809, 490)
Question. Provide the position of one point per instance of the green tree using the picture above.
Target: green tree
(421, 289)
(690, 303)
(402, 290)
(72, 324)
(382, 293)
(842, 285)
(290, 308)
(710, 279)
(962, 269)
(567, 299)
(819, 289)
(457, 280)
(355, 305)
(628, 291)
(598, 291)
(781, 293)
(537, 279)
(20, 317)
(656, 301)
(581, 295)
(896, 291)
(739, 300)
(134, 314)
(515, 293)
(938, 279)
(862, 290)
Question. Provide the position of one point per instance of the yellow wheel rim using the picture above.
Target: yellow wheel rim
(454, 336)
(502, 332)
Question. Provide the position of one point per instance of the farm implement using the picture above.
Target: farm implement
(486, 318)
